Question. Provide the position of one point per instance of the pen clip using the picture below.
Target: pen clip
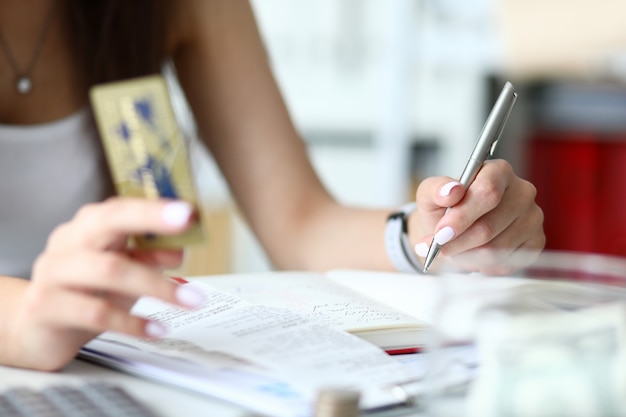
(493, 147)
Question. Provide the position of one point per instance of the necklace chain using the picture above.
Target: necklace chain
(24, 82)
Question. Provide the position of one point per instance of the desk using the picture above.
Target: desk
(165, 400)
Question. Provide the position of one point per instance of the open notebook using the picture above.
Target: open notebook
(391, 311)
(269, 341)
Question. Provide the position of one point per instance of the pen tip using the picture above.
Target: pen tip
(431, 255)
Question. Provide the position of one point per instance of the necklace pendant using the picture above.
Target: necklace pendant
(24, 84)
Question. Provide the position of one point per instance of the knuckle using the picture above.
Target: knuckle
(532, 190)
(111, 266)
(528, 190)
(489, 193)
(541, 236)
(503, 165)
(98, 314)
(86, 212)
(58, 234)
(538, 242)
(541, 217)
(483, 231)
(538, 216)
(46, 267)
(109, 214)
(41, 264)
(97, 212)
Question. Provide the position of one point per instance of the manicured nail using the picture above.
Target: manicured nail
(177, 213)
(444, 235)
(421, 249)
(155, 330)
(447, 189)
(189, 296)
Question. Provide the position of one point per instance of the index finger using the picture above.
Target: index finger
(104, 225)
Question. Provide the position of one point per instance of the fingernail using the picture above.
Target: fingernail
(176, 213)
(444, 235)
(447, 189)
(189, 296)
(155, 330)
(421, 249)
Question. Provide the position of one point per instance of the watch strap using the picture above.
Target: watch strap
(397, 243)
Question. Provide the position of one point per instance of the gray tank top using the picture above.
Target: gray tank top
(47, 172)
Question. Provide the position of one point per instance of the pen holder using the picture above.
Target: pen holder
(549, 339)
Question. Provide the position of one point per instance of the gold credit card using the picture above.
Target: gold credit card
(145, 149)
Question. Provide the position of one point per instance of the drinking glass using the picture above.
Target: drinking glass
(544, 336)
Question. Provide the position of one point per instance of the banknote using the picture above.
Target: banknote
(145, 149)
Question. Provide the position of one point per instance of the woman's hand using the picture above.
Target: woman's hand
(87, 279)
(490, 221)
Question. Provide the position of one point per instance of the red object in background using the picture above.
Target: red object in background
(581, 187)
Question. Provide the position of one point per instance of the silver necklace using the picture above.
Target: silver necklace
(24, 81)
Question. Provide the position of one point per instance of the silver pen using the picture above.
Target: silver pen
(487, 141)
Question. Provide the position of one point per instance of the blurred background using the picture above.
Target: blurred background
(387, 92)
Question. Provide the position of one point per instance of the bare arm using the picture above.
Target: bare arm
(224, 70)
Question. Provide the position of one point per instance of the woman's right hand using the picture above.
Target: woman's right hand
(87, 279)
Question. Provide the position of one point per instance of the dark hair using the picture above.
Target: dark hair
(117, 39)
